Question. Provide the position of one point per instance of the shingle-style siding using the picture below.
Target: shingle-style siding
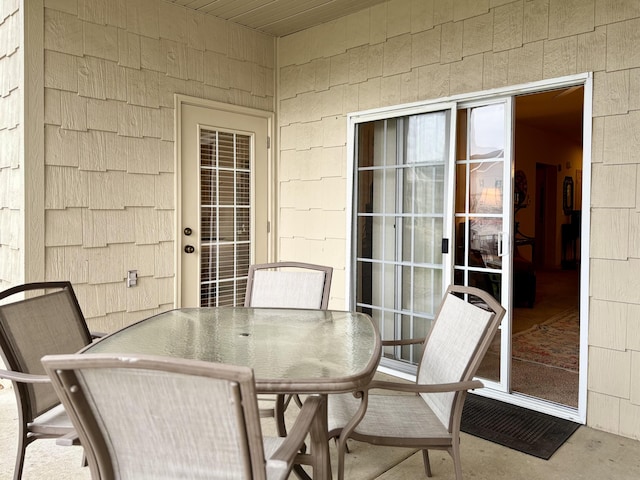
(408, 50)
(112, 67)
(11, 167)
(110, 75)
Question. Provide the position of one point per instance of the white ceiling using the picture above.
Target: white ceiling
(278, 17)
(558, 111)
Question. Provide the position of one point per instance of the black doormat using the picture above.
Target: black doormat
(515, 427)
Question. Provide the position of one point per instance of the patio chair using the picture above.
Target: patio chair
(146, 416)
(287, 285)
(462, 330)
(30, 328)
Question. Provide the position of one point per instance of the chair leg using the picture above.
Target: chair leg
(342, 446)
(22, 448)
(319, 446)
(427, 463)
(346, 445)
(279, 415)
(457, 464)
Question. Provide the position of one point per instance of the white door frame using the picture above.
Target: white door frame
(584, 79)
(179, 101)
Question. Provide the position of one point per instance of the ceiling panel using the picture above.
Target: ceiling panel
(278, 17)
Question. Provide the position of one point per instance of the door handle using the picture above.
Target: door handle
(502, 248)
(189, 249)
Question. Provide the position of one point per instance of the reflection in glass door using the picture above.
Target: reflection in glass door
(481, 232)
(401, 173)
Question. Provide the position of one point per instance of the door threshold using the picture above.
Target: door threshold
(533, 403)
(526, 401)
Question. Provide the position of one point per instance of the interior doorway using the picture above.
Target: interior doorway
(545, 338)
(545, 230)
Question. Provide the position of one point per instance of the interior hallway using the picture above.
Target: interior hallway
(557, 291)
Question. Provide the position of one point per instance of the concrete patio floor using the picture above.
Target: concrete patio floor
(588, 454)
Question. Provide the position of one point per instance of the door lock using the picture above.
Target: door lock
(189, 249)
(188, 231)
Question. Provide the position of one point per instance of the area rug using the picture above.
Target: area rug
(555, 342)
(521, 429)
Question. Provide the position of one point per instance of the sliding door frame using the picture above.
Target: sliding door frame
(583, 79)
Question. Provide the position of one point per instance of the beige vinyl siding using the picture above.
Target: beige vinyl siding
(409, 50)
(111, 68)
(11, 134)
(111, 71)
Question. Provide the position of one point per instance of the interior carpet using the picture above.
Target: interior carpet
(515, 427)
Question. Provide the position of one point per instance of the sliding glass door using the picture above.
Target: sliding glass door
(429, 209)
(482, 229)
(401, 181)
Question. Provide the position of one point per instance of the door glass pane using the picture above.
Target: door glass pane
(427, 188)
(422, 237)
(401, 169)
(387, 321)
(480, 208)
(461, 187)
(480, 197)
(486, 132)
(461, 135)
(485, 235)
(414, 327)
(485, 187)
(224, 217)
(422, 284)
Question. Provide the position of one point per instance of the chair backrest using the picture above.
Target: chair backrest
(30, 328)
(464, 326)
(288, 285)
(146, 416)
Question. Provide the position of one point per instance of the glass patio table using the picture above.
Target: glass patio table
(289, 350)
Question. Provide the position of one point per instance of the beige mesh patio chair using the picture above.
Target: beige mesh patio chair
(144, 416)
(30, 328)
(287, 285)
(464, 326)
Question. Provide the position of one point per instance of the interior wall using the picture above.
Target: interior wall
(111, 71)
(404, 51)
(533, 146)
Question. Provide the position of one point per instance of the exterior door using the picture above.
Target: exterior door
(224, 203)
(482, 209)
(400, 221)
(406, 205)
(429, 211)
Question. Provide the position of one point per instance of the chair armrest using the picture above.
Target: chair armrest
(406, 341)
(433, 388)
(95, 335)
(24, 377)
(69, 439)
(302, 426)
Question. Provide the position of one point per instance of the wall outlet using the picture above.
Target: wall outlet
(132, 278)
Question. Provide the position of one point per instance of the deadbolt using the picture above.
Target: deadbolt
(188, 231)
